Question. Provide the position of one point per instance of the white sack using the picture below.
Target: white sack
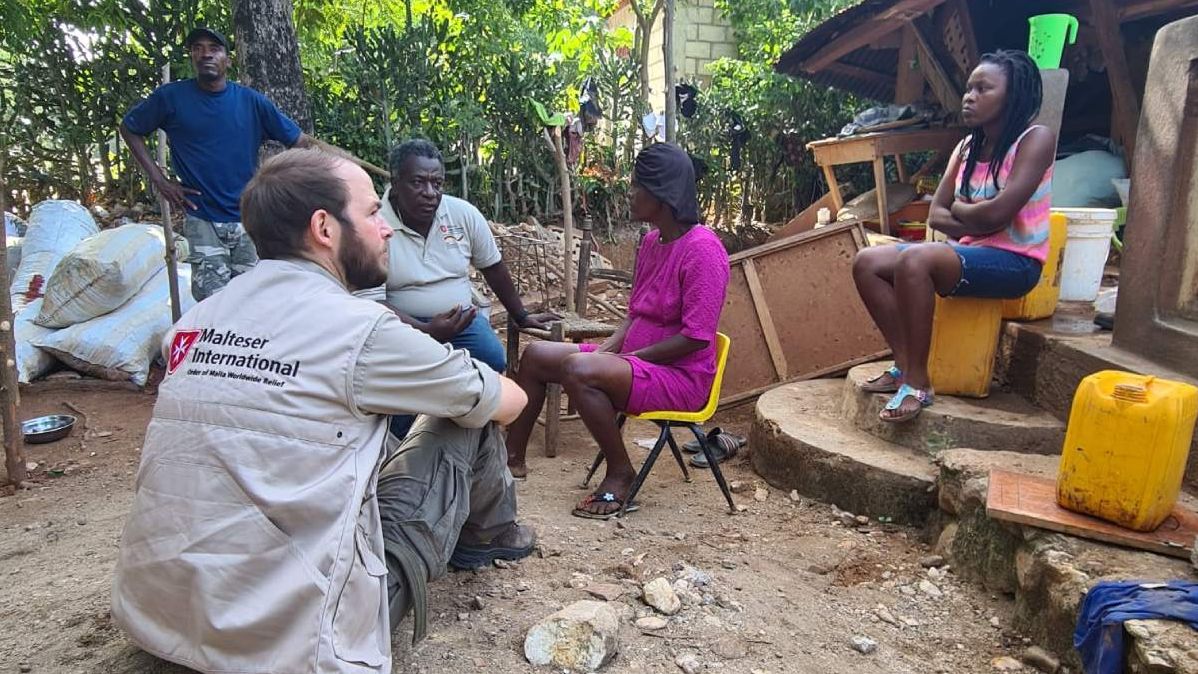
(121, 345)
(55, 227)
(32, 362)
(101, 274)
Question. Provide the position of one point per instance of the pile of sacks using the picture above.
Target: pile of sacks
(98, 301)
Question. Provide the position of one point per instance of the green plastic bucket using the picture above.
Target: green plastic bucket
(1047, 39)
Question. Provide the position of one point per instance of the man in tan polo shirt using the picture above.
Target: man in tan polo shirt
(438, 238)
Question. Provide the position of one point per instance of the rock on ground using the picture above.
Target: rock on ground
(659, 595)
(583, 636)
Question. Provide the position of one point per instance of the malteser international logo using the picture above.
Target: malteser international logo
(180, 347)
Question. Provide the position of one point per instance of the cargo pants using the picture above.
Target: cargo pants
(219, 251)
(444, 484)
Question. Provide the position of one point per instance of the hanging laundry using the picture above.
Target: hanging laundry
(574, 141)
(588, 104)
(688, 99)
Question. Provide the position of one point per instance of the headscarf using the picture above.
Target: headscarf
(666, 171)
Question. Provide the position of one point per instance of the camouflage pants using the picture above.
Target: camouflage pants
(219, 251)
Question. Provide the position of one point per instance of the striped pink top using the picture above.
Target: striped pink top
(1028, 232)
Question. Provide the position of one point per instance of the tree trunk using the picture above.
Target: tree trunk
(268, 55)
(667, 49)
(14, 441)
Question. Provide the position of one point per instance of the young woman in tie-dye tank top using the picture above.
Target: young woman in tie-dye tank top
(993, 202)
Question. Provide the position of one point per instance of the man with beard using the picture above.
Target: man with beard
(271, 529)
(215, 128)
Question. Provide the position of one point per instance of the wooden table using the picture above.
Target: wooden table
(874, 148)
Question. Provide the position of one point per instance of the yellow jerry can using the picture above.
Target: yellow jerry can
(1041, 302)
(965, 333)
(1126, 448)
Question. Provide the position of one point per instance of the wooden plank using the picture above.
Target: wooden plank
(1123, 92)
(936, 73)
(767, 321)
(1032, 500)
(819, 323)
(1138, 10)
(858, 73)
(867, 32)
(833, 187)
(880, 191)
(956, 31)
(805, 221)
(749, 365)
(909, 86)
(833, 371)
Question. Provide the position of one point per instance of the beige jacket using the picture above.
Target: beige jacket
(254, 542)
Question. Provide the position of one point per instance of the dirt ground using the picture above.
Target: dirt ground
(789, 584)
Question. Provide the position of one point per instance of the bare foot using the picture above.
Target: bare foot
(518, 470)
(907, 410)
(607, 498)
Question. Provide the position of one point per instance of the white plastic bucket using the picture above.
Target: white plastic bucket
(1087, 244)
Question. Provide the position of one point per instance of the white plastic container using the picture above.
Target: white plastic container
(1087, 245)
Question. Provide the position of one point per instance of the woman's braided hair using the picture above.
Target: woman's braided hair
(1025, 91)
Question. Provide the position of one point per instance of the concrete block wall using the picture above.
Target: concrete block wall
(701, 35)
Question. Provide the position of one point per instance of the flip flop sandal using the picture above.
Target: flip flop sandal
(716, 437)
(721, 451)
(924, 396)
(605, 497)
(877, 385)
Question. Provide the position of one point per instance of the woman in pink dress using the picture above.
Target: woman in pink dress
(663, 355)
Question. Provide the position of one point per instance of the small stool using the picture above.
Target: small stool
(965, 332)
(571, 328)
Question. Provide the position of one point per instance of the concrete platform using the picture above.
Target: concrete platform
(1003, 421)
(1049, 573)
(800, 441)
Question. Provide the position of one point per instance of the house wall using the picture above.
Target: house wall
(701, 35)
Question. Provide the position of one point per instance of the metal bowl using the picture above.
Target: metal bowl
(47, 429)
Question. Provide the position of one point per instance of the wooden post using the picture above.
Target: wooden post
(553, 138)
(667, 49)
(1126, 118)
(14, 441)
(909, 86)
(168, 232)
(584, 267)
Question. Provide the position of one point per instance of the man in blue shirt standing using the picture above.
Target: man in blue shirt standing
(215, 128)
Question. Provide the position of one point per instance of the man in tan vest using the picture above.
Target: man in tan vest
(271, 531)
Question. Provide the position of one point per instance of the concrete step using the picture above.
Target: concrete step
(800, 441)
(1003, 421)
(1049, 573)
(1044, 361)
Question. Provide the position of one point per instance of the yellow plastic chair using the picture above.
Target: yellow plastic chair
(666, 420)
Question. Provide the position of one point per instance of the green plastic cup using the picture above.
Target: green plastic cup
(1046, 41)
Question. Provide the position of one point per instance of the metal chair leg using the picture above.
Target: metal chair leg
(645, 468)
(715, 467)
(594, 467)
(665, 428)
(620, 419)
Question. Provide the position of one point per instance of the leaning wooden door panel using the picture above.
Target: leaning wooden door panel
(748, 356)
(793, 306)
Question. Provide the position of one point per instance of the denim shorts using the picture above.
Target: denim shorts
(993, 273)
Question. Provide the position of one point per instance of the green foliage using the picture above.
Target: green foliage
(781, 113)
(459, 72)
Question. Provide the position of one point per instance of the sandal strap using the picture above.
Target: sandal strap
(895, 374)
(924, 396)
